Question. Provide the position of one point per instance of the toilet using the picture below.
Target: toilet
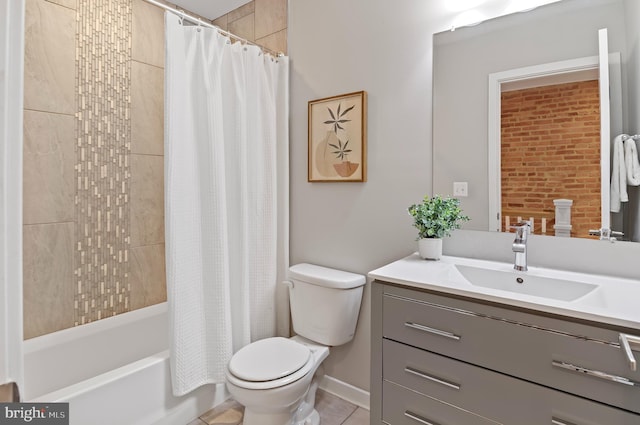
(276, 378)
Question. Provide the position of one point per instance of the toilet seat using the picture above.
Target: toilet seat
(269, 363)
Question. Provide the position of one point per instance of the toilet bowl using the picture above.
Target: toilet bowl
(276, 378)
(273, 377)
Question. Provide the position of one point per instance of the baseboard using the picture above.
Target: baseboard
(345, 391)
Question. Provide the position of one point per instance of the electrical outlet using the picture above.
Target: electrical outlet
(460, 189)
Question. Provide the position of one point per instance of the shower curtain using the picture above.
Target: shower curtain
(226, 165)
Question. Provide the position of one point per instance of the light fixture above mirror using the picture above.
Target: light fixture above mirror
(473, 12)
(463, 5)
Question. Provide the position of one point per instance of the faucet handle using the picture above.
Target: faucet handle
(523, 226)
(606, 234)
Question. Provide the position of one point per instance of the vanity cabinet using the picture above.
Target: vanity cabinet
(442, 360)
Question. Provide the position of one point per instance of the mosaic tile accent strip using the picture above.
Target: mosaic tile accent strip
(103, 136)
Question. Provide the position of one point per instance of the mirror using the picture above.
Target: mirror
(556, 33)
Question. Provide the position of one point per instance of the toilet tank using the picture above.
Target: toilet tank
(325, 303)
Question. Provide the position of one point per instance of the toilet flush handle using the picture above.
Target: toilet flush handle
(288, 283)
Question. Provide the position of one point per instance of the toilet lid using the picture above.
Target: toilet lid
(269, 359)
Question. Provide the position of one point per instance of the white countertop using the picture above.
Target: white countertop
(616, 301)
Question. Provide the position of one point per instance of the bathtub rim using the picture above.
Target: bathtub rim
(100, 380)
(74, 333)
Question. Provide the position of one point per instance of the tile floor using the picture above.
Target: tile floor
(333, 411)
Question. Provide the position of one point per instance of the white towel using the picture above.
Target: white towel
(631, 162)
(618, 193)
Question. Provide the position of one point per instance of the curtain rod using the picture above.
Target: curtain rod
(199, 21)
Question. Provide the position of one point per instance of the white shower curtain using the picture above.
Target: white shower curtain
(226, 165)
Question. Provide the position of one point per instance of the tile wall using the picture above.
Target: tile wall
(102, 147)
(93, 165)
(261, 21)
(93, 154)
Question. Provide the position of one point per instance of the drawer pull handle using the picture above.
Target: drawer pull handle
(628, 343)
(432, 330)
(418, 418)
(595, 373)
(432, 378)
(555, 421)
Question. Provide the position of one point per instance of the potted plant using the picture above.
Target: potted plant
(435, 217)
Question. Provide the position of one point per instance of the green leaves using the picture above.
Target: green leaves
(436, 217)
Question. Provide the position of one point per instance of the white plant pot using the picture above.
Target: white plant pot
(430, 248)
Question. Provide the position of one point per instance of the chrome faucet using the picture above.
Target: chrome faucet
(520, 245)
(606, 234)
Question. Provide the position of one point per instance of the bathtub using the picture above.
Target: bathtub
(113, 371)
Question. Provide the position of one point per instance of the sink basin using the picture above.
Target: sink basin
(598, 298)
(522, 283)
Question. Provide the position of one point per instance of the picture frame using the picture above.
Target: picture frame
(337, 138)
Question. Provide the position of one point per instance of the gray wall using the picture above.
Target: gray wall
(633, 62)
(339, 47)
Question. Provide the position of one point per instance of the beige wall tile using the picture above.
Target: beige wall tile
(241, 12)
(9, 393)
(243, 27)
(221, 22)
(276, 42)
(147, 200)
(147, 109)
(148, 283)
(147, 33)
(71, 4)
(49, 161)
(48, 278)
(262, 21)
(49, 58)
(271, 16)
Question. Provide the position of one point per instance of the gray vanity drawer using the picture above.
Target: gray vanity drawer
(401, 406)
(491, 395)
(514, 348)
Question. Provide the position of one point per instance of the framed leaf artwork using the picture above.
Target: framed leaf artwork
(338, 138)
